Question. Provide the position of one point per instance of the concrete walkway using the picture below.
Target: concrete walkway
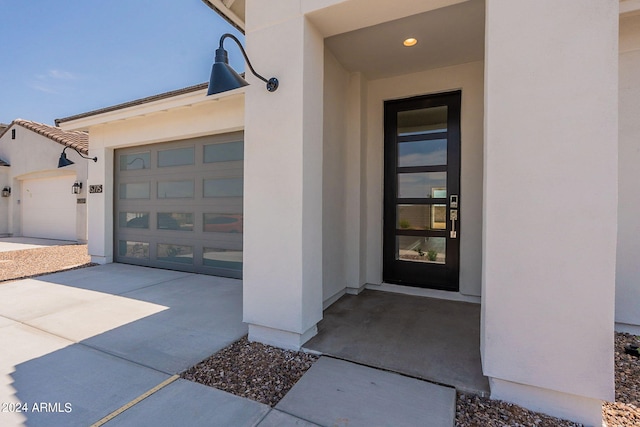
(432, 339)
(79, 345)
(8, 244)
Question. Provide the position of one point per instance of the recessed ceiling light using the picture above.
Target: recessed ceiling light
(410, 42)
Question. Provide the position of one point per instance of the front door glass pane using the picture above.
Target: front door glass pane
(421, 249)
(422, 121)
(421, 217)
(431, 152)
(422, 185)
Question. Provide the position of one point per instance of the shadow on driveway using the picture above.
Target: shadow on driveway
(80, 344)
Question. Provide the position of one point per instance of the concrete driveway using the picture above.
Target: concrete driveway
(102, 346)
(78, 345)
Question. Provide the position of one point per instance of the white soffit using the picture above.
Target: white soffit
(448, 36)
(629, 7)
(231, 10)
(332, 17)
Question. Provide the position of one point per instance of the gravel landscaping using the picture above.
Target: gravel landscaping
(38, 261)
(256, 371)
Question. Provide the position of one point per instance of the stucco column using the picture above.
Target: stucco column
(550, 204)
(100, 205)
(283, 178)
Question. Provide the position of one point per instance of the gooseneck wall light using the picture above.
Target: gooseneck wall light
(63, 161)
(224, 78)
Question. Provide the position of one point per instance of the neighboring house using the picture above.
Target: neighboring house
(42, 203)
(4, 185)
(494, 162)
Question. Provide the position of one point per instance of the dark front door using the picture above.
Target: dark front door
(422, 191)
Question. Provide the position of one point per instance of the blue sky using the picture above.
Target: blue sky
(61, 58)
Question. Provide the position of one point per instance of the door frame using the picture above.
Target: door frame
(418, 274)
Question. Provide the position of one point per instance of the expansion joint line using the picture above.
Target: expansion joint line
(135, 401)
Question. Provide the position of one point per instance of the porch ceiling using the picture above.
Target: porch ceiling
(447, 36)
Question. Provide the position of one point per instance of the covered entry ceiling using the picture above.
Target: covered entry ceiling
(448, 36)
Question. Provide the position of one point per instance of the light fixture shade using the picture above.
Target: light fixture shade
(223, 77)
(63, 161)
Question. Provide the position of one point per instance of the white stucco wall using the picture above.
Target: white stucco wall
(628, 266)
(283, 177)
(550, 207)
(146, 124)
(468, 78)
(335, 183)
(33, 156)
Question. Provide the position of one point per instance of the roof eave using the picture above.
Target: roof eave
(143, 107)
(226, 13)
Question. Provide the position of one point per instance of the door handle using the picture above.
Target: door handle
(453, 216)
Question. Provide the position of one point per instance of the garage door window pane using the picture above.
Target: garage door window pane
(223, 187)
(175, 189)
(129, 249)
(137, 190)
(222, 223)
(175, 253)
(175, 221)
(176, 157)
(135, 161)
(224, 152)
(228, 259)
(134, 219)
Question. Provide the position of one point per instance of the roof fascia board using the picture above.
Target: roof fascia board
(179, 101)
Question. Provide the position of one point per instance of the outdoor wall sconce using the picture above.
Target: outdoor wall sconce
(63, 161)
(76, 188)
(224, 78)
(6, 191)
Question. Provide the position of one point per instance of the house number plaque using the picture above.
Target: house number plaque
(95, 189)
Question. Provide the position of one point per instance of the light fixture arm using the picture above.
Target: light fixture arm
(272, 83)
(95, 159)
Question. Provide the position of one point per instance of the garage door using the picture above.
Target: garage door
(49, 208)
(178, 205)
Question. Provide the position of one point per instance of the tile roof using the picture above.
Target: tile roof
(140, 101)
(74, 139)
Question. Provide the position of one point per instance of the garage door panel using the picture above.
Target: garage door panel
(190, 219)
(49, 208)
